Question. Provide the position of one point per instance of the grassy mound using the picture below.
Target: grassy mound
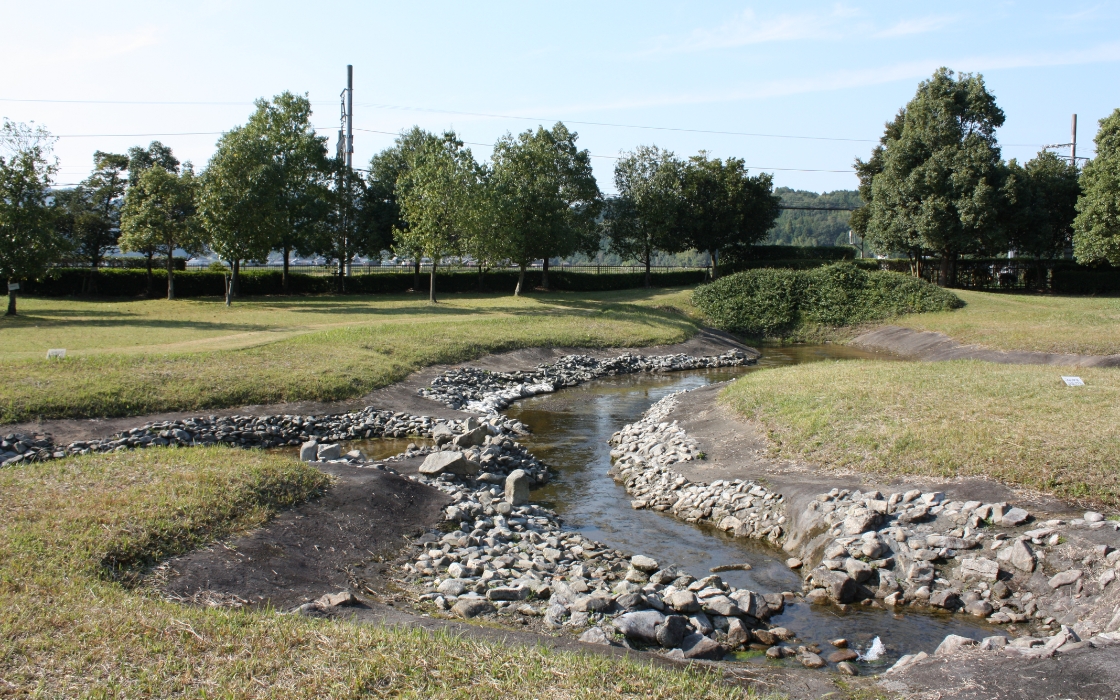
(777, 303)
(77, 532)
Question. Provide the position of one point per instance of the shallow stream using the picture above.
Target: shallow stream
(570, 433)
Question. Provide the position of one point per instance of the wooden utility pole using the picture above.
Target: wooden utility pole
(1073, 143)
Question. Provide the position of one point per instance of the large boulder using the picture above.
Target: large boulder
(697, 646)
(841, 587)
(980, 568)
(442, 434)
(472, 607)
(326, 452)
(683, 601)
(1019, 554)
(860, 520)
(517, 487)
(640, 625)
(448, 463)
(644, 564)
(471, 438)
(309, 451)
(672, 631)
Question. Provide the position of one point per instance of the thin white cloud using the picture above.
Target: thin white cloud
(909, 27)
(748, 28)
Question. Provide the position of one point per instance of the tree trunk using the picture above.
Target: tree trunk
(171, 273)
(648, 261)
(943, 272)
(432, 282)
(284, 276)
(715, 264)
(481, 286)
(235, 279)
(151, 280)
(416, 275)
(520, 282)
(11, 299)
(544, 275)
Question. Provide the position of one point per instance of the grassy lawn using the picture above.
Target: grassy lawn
(77, 534)
(136, 357)
(1079, 325)
(1017, 424)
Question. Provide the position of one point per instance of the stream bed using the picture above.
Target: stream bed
(570, 433)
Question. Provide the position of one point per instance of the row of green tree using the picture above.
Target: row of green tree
(936, 186)
(270, 186)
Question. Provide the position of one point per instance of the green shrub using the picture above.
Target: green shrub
(777, 302)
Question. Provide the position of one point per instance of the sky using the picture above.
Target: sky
(795, 89)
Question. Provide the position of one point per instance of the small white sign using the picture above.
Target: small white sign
(1073, 381)
(13, 286)
(56, 353)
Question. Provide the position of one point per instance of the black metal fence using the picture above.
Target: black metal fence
(425, 268)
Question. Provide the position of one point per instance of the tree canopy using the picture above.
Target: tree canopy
(1096, 235)
(933, 183)
(1041, 200)
(160, 213)
(813, 228)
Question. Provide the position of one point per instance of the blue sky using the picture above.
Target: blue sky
(823, 70)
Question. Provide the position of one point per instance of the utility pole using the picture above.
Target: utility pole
(1073, 143)
(345, 154)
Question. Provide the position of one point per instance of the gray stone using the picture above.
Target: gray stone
(701, 623)
(847, 668)
(841, 655)
(945, 599)
(980, 568)
(507, 593)
(472, 607)
(737, 633)
(979, 608)
(592, 603)
(811, 660)
(309, 451)
(1065, 578)
(595, 635)
(683, 601)
(1014, 517)
(720, 605)
(1021, 556)
(453, 587)
(326, 452)
(794, 563)
(952, 643)
(644, 564)
(332, 600)
(841, 587)
(442, 434)
(517, 488)
(992, 643)
(640, 625)
(860, 521)
(857, 569)
(448, 463)
(1092, 516)
(697, 646)
(672, 631)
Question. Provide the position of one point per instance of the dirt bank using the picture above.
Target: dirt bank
(401, 396)
(931, 346)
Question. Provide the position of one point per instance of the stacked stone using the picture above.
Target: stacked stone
(484, 391)
(511, 557)
(19, 447)
(643, 452)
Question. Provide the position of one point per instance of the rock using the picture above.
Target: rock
(1065, 578)
(471, 438)
(332, 600)
(766, 637)
(952, 643)
(737, 633)
(701, 623)
(992, 643)
(847, 668)
(683, 601)
(893, 599)
(839, 643)
(979, 608)
(1014, 517)
(721, 605)
(644, 564)
(1020, 555)
(1093, 517)
(817, 596)
(631, 601)
(442, 434)
(841, 587)
(697, 646)
(794, 563)
(859, 522)
(448, 463)
(325, 452)
(453, 587)
(592, 603)
(980, 568)
(309, 451)
(507, 593)
(857, 569)
(947, 599)
(672, 631)
(640, 625)
(811, 660)
(472, 607)
(517, 488)
(842, 655)
(595, 635)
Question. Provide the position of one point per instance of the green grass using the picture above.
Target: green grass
(1078, 325)
(131, 358)
(77, 533)
(1018, 424)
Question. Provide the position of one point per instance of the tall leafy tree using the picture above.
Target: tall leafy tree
(381, 206)
(345, 230)
(726, 210)
(1096, 235)
(1041, 200)
(645, 216)
(29, 241)
(89, 215)
(140, 160)
(439, 198)
(933, 184)
(543, 198)
(160, 213)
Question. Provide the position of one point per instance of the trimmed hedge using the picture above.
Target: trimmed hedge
(1085, 281)
(133, 283)
(802, 252)
(777, 302)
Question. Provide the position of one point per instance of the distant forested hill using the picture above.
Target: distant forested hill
(813, 227)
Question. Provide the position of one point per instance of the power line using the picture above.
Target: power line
(111, 136)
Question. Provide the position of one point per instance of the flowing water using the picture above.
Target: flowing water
(570, 433)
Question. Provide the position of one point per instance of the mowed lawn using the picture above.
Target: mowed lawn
(136, 357)
(1075, 325)
(78, 535)
(1019, 424)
